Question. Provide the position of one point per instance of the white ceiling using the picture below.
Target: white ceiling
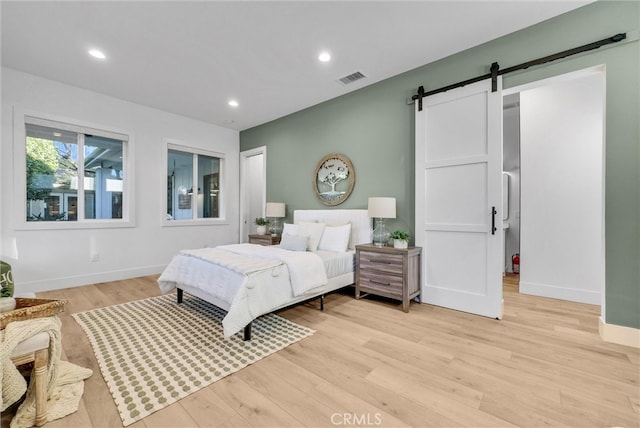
(190, 58)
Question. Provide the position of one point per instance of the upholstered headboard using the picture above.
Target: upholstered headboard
(359, 219)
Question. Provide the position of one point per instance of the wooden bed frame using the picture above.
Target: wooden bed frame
(360, 233)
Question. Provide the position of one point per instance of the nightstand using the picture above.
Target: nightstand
(388, 272)
(264, 239)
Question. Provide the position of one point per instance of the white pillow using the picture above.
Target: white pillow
(291, 229)
(335, 238)
(313, 230)
(294, 242)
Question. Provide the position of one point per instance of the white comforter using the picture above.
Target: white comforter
(252, 279)
(306, 270)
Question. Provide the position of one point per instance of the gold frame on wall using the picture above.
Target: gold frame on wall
(334, 170)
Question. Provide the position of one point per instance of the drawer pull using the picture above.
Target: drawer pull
(379, 282)
(383, 262)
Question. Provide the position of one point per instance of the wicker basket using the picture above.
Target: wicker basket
(27, 309)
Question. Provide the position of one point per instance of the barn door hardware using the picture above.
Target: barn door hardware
(495, 69)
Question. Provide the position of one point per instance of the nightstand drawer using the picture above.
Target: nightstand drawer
(264, 239)
(371, 281)
(390, 264)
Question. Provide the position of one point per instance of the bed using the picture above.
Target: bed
(250, 280)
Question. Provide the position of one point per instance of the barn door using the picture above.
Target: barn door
(458, 198)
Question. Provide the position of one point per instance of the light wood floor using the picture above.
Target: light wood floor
(370, 364)
(510, 283)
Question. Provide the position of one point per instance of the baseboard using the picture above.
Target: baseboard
(94, 278)
(619, 334)
(563, 293)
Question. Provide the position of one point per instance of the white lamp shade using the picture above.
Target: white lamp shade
(382, 207)
(275, 209)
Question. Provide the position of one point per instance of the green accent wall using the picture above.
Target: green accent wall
(374, 127)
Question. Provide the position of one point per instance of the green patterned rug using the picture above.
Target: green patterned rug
(154, 352)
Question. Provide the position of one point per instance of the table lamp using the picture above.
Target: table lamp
(275, 211)
(379, 209)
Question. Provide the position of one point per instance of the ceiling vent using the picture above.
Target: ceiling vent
(353, 77)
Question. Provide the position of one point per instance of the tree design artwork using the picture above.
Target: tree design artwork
(332, 172)
(333, 179)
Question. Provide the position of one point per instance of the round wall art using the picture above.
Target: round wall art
(334, 178)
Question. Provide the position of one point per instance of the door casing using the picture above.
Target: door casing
(253, 187)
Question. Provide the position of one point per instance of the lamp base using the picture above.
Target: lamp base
(380, 235)
(275, 229)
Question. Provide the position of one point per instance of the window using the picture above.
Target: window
(73, 173)
(193, 184)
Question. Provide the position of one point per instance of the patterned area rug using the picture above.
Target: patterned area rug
(154, 352)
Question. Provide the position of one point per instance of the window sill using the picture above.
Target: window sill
(70, 225)
(191, 223)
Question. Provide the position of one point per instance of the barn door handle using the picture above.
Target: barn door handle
(493, 220)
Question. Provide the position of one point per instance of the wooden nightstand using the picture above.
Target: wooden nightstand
(264, 239)
(388, 272)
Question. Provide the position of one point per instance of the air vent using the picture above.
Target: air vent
(353, 77)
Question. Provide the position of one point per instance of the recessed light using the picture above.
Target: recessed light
(57, 134)
(97, 54)
(233, 103)
(324, 57)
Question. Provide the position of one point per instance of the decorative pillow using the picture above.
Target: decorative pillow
(6, 279)
(335, 238)
(294, 242)
(313, 230)
(291, 229)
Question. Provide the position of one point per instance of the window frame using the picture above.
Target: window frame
(171, 144)
(20, 119)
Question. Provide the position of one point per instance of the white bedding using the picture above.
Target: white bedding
(252, 285)
(337, 263)
(306, 270)
(248, 289)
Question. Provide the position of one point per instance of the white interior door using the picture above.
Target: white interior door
(253, 189)
(459, 198)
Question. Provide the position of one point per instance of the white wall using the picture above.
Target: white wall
(562, 214)
(51, 259)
